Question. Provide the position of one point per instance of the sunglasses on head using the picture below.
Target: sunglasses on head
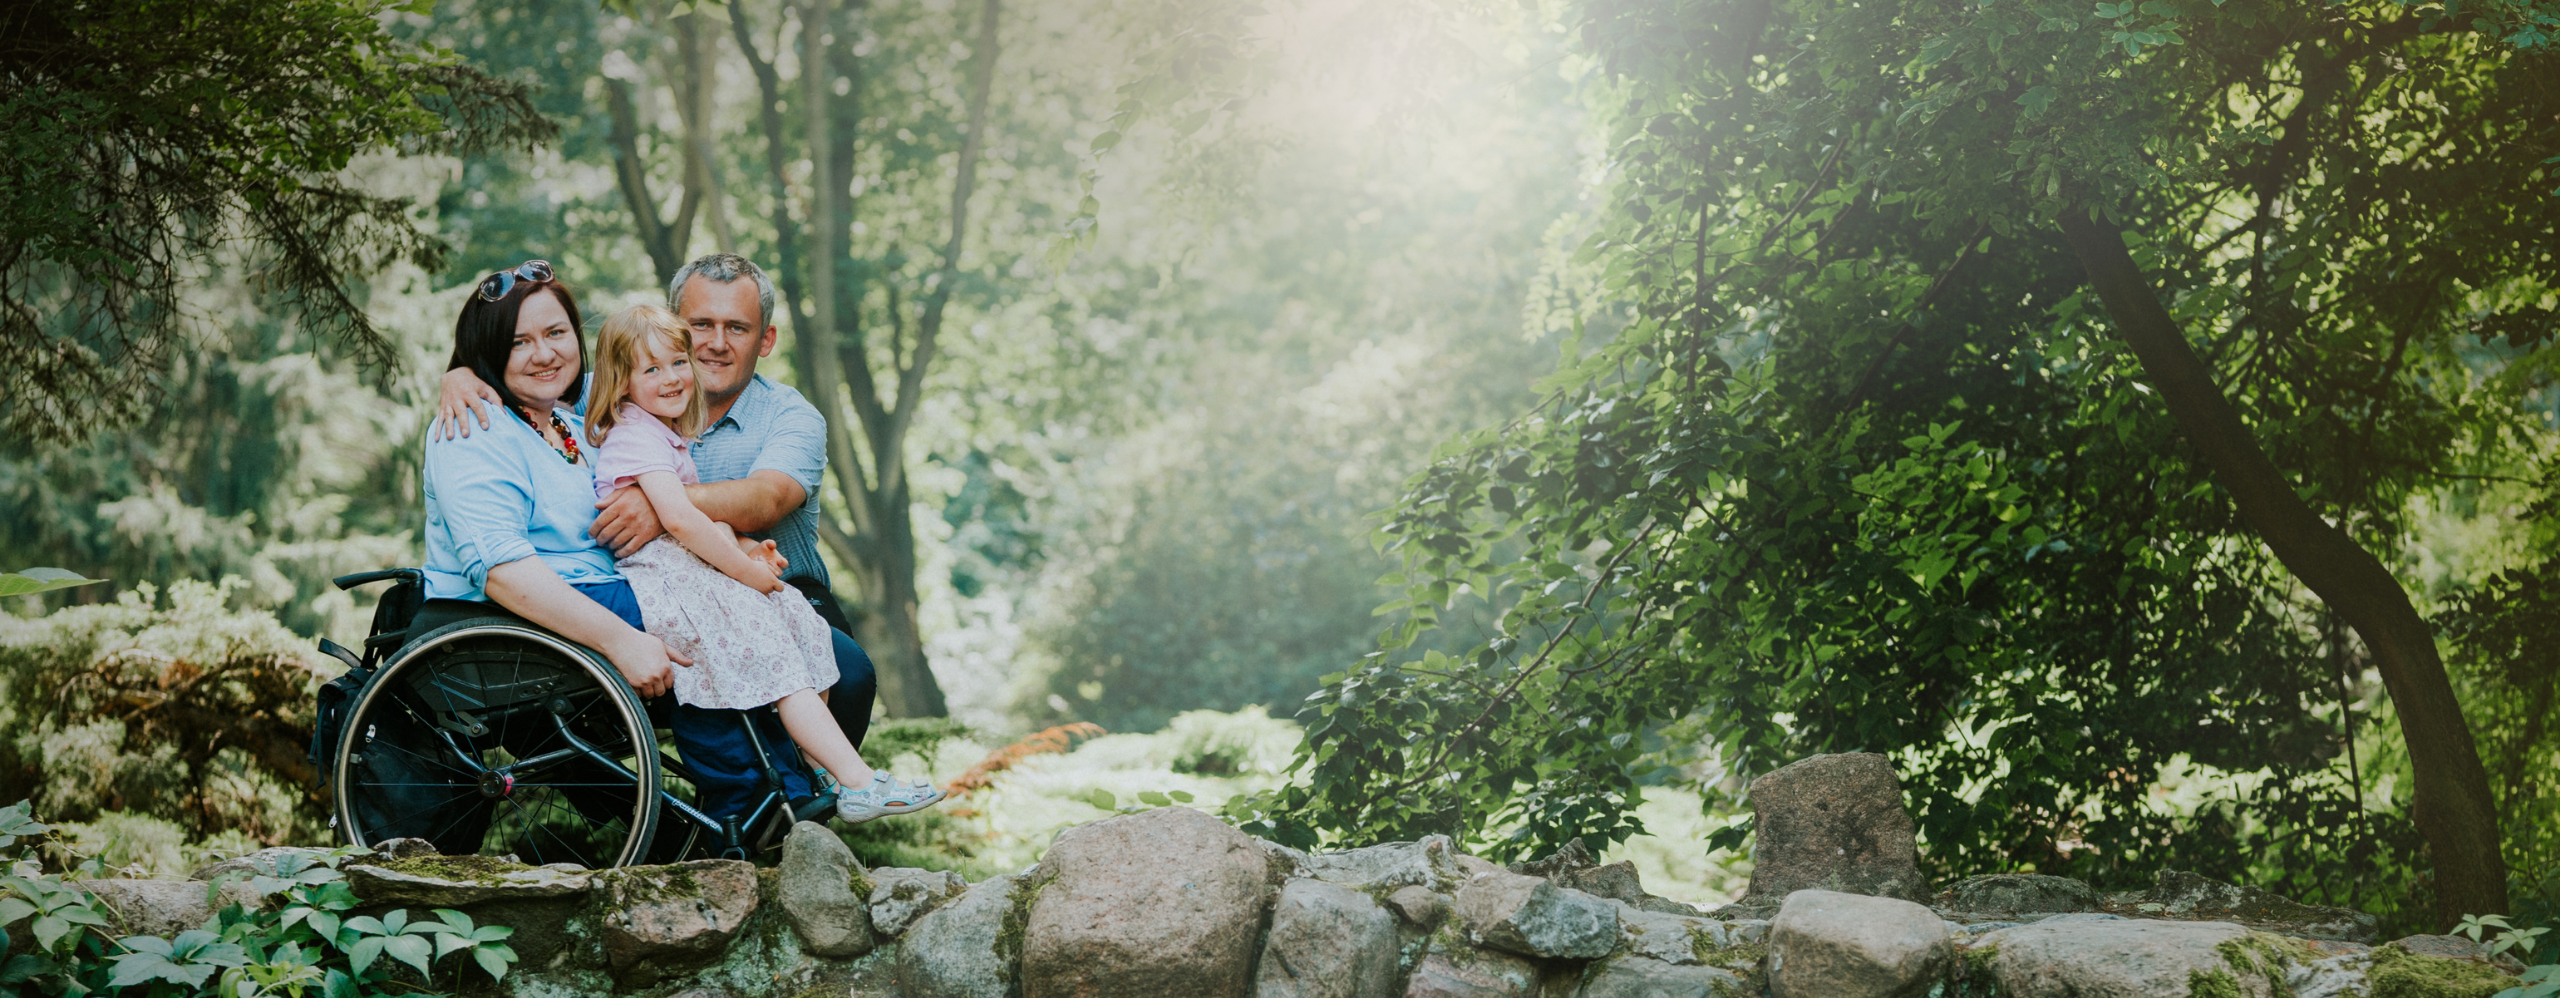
(498, 284)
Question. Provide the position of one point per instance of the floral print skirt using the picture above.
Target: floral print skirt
(748, 648)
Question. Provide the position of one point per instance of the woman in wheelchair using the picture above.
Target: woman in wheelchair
(489, 736)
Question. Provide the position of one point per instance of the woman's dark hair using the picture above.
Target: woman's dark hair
(486, 334)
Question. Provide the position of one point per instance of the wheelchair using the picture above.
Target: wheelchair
(465, 725)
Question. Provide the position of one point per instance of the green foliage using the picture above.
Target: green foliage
(41, 580)
(178, 708)
(1866, 471)
(145, 139)
(2500, 633)
(303, 943)
(2538, 981)
(260, 458)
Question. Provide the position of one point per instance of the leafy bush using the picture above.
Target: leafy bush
(309, 944)
(180, 709)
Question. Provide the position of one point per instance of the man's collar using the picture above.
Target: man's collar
(755, 383)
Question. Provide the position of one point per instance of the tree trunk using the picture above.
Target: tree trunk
(907, 686)
(879, 546)
(698, 82)
(2451, 801)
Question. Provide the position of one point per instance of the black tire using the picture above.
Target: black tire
(490, 737)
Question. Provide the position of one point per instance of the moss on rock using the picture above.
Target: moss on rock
(2213, 984)
(632, 885)
(1749, 960)
(2398, 973)
(2264, 956)
(461, 869)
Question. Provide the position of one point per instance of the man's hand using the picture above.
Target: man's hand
(766, 552)
(628, 522)
(462, 391)
(644, 661)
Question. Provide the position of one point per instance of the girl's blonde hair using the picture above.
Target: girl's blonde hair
(621, 347)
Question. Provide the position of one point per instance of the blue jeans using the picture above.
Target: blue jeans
(715, 746)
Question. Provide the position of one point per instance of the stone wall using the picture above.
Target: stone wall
(1173, 902)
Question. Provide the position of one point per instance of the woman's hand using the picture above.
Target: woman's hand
(530, 588)
(644, 662)
(461, 390)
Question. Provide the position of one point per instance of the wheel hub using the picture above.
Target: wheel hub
(496, 785)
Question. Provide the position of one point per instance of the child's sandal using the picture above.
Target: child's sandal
(886, 795)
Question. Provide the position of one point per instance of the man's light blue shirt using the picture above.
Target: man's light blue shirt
(771, 427)
(503, 495)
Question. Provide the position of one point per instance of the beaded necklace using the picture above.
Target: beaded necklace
(568, 440)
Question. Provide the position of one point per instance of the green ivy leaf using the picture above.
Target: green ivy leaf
(411, 950)
(494, 959)
(40, 580)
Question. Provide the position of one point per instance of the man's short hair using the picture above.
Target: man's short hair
(722, 268)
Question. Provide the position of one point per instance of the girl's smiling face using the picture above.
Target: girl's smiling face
(662, 383)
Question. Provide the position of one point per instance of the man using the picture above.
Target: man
(761, 463)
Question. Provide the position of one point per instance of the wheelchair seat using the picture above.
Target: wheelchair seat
(471, 727)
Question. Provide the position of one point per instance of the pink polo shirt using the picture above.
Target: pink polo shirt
(640, 443)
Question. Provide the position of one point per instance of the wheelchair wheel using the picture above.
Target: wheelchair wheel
(489, 737)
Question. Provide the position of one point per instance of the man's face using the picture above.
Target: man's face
(729, 332)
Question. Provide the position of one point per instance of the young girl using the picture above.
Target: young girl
(754, 640)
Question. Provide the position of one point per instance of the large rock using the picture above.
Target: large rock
(902, 894)
(1826, 944)
(962, 949)
(264, 862)
(1640, 977)
(2457, 948)
(1675, 939)
(165, 907)
(1531, 916)
(1422, 906)
(1327, 941)
(1452, 969)
(2020, 893)
(1573, 866)
(1162, 902)
(1431, 863)
(819, 881)
(672, 915)
(455, 881)
(2192, 896)
(2340, 976)
(2101, 956)
(1835, 823)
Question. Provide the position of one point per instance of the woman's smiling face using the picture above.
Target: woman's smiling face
(662, 382)
(544, 363)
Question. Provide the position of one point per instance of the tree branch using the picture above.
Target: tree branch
(982, 73)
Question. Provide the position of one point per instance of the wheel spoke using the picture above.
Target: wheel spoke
(577, 796)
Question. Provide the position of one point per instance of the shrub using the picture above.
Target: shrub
(179, 709)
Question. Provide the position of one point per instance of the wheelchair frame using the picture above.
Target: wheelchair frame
(394, 644)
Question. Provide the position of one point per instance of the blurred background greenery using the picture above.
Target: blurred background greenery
(1185, 357)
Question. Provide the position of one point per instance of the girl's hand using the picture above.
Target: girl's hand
(765, 552)
(762, 579)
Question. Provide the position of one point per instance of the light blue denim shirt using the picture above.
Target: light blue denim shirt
(503, 495)
(771, 427)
